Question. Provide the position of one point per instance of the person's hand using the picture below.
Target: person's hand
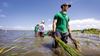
(53, 34)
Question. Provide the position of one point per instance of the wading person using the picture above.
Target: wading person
(36, 30)
(61, 24)
(41, 28)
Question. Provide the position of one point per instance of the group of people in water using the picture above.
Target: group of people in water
(60, 26)
(39, 29)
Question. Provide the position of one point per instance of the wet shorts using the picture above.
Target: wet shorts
(63, 36)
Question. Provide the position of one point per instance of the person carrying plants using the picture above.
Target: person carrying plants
(61, 25)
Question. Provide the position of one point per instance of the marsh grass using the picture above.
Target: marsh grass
(68, 49)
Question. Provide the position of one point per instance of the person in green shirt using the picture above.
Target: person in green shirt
(61, 24)
(36, 30)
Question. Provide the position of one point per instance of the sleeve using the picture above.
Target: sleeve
(35, 28)
(56, 17)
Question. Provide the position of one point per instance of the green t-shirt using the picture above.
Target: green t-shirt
(62, 22)
(36, 28)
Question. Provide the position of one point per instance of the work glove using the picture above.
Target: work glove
(53, 34)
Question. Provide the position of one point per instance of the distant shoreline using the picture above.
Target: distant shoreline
(89, 31)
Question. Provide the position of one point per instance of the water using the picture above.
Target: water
(10, 35)
(23, 43)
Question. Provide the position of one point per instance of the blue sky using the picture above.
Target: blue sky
(25, 14)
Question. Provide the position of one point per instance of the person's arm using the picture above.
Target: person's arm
(69, 30)
(54, 25)
(70, 36)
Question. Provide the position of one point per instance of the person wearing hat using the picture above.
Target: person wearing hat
(41, 28)
(61, 24)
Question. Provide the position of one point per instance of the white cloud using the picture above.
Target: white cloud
(2, 16)
(81, 24)
(49, 20)
(1, 10)
(74, 24)
(17, 27)
(5, 4)
(85, 23)
(48, 27)
(1, 26)
(21, 28)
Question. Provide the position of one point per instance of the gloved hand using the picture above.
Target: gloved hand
(53, 34)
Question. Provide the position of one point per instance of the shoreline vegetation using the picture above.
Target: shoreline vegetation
(89, 31)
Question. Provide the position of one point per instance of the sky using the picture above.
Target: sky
(25, 14)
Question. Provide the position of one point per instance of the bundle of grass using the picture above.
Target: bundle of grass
(5, 50)
(2, 50)
(68, 49)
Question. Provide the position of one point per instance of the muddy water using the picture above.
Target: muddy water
(25, 44)
(30, 47)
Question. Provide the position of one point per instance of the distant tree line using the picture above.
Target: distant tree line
(89, 31)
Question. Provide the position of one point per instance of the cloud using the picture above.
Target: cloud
(48, 27)
(17, 27)
(1, 26)
(1, 10)
(5, 4)
(2, 16)
(74, 25)
(21, 28)
(85, 23)
(49, 19)
(81, 24)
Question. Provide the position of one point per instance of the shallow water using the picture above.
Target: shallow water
(23, 43)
